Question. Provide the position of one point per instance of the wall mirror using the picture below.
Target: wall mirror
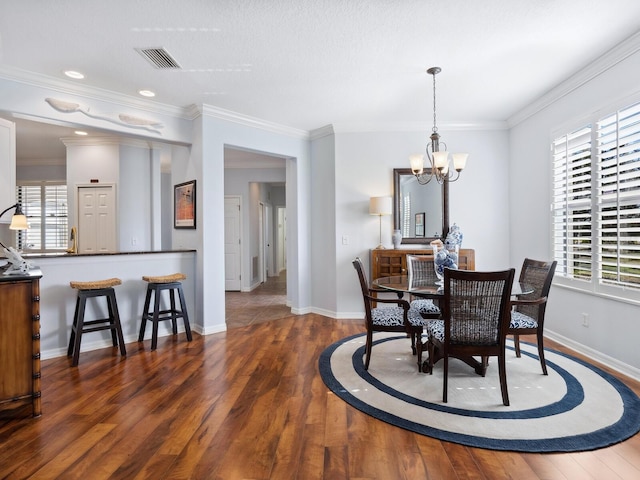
(420, 212)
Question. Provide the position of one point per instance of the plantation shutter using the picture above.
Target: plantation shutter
(571, 204)
(45, 207)
(618, 185)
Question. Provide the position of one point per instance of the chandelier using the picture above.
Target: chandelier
(438, 159)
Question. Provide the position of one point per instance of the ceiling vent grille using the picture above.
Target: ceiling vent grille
(159, 58)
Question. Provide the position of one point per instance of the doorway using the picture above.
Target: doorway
(259, 180)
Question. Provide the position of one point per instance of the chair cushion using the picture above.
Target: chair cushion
(435, 330)
(520, 320)
(393, 317)
(425, 306)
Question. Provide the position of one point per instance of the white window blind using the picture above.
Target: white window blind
(45, 206)
(406, 216)
(596, 203)
(572, 219)
(618, 190)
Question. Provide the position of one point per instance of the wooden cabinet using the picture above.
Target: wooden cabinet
(20, 341)
(389, 262)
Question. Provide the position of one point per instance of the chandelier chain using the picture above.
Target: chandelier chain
(435, 128)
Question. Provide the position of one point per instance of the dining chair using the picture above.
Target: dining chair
(527, 312)
(421, 268)
(400, 318)
(475, 321)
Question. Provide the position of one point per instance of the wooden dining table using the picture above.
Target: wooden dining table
(401, 284)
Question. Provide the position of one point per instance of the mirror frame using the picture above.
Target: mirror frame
(397, 175)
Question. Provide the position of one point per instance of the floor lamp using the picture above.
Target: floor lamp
(380, 206)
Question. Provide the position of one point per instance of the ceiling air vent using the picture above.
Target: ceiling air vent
(159, 58)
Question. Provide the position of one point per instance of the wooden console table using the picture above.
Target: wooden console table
(391, 262)
(20, 341)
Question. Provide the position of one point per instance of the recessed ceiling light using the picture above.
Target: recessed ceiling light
(80, 132)
(74, 74)
(147, 93)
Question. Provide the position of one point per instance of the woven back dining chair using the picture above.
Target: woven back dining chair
(420, 268)
(398, 318)
(527, 314)
(475, 321)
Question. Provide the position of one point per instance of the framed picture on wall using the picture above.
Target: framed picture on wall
(420, 224)
(184, 205)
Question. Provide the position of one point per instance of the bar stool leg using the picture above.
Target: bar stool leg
(156, 314)
(114, 315)
(145, 314)
(185, 316)
(174, 316)
(74, 327)
(79, 327)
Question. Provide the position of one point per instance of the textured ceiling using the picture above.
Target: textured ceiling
(309, 63)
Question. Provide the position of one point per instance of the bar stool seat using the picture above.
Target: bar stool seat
(91, 289)
(155, 286)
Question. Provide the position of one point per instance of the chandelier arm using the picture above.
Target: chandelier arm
(424, 178)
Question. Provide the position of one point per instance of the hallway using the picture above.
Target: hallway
(266, 302)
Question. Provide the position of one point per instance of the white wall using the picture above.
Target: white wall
(364, 168)
(613, 333)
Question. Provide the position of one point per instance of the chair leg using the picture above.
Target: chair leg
(502, 370)
(543, 363)
(445, 384)
(419, 347)
(367, 350)
(516, 343)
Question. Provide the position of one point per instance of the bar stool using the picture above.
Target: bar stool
(99, 288)
(156, 285)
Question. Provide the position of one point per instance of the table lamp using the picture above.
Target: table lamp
(380, 206)
(19, 220)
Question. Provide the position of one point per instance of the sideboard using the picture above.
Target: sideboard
(388, 262)
(20, 341)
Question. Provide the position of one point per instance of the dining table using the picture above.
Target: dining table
(401, 284)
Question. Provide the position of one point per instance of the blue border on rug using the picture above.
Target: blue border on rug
(627, 426)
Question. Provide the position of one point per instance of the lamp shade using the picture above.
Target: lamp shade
(19, 222)
(380, 206)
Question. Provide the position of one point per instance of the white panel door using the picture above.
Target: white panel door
(96, 219)
(232, 243)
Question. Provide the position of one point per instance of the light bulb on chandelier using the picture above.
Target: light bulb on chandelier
(438, 159)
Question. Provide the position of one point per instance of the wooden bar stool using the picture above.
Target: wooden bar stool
(100, 288)
(156, 285)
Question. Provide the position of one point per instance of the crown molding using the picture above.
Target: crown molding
(228, 115)
(321, 132)
(417, 126)
(94, 93)
(607, 61)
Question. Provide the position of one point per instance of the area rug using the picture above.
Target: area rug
(576, 407)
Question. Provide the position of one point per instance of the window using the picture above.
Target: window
(45, 206)
(596, 201)
(406, 212)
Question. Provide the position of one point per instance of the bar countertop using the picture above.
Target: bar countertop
(66, 254)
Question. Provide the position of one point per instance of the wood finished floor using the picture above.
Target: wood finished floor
(246, 404)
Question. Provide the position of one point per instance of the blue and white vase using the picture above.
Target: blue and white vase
(454, 237)
(444, 256)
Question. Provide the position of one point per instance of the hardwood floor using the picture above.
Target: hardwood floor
(246, 404)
